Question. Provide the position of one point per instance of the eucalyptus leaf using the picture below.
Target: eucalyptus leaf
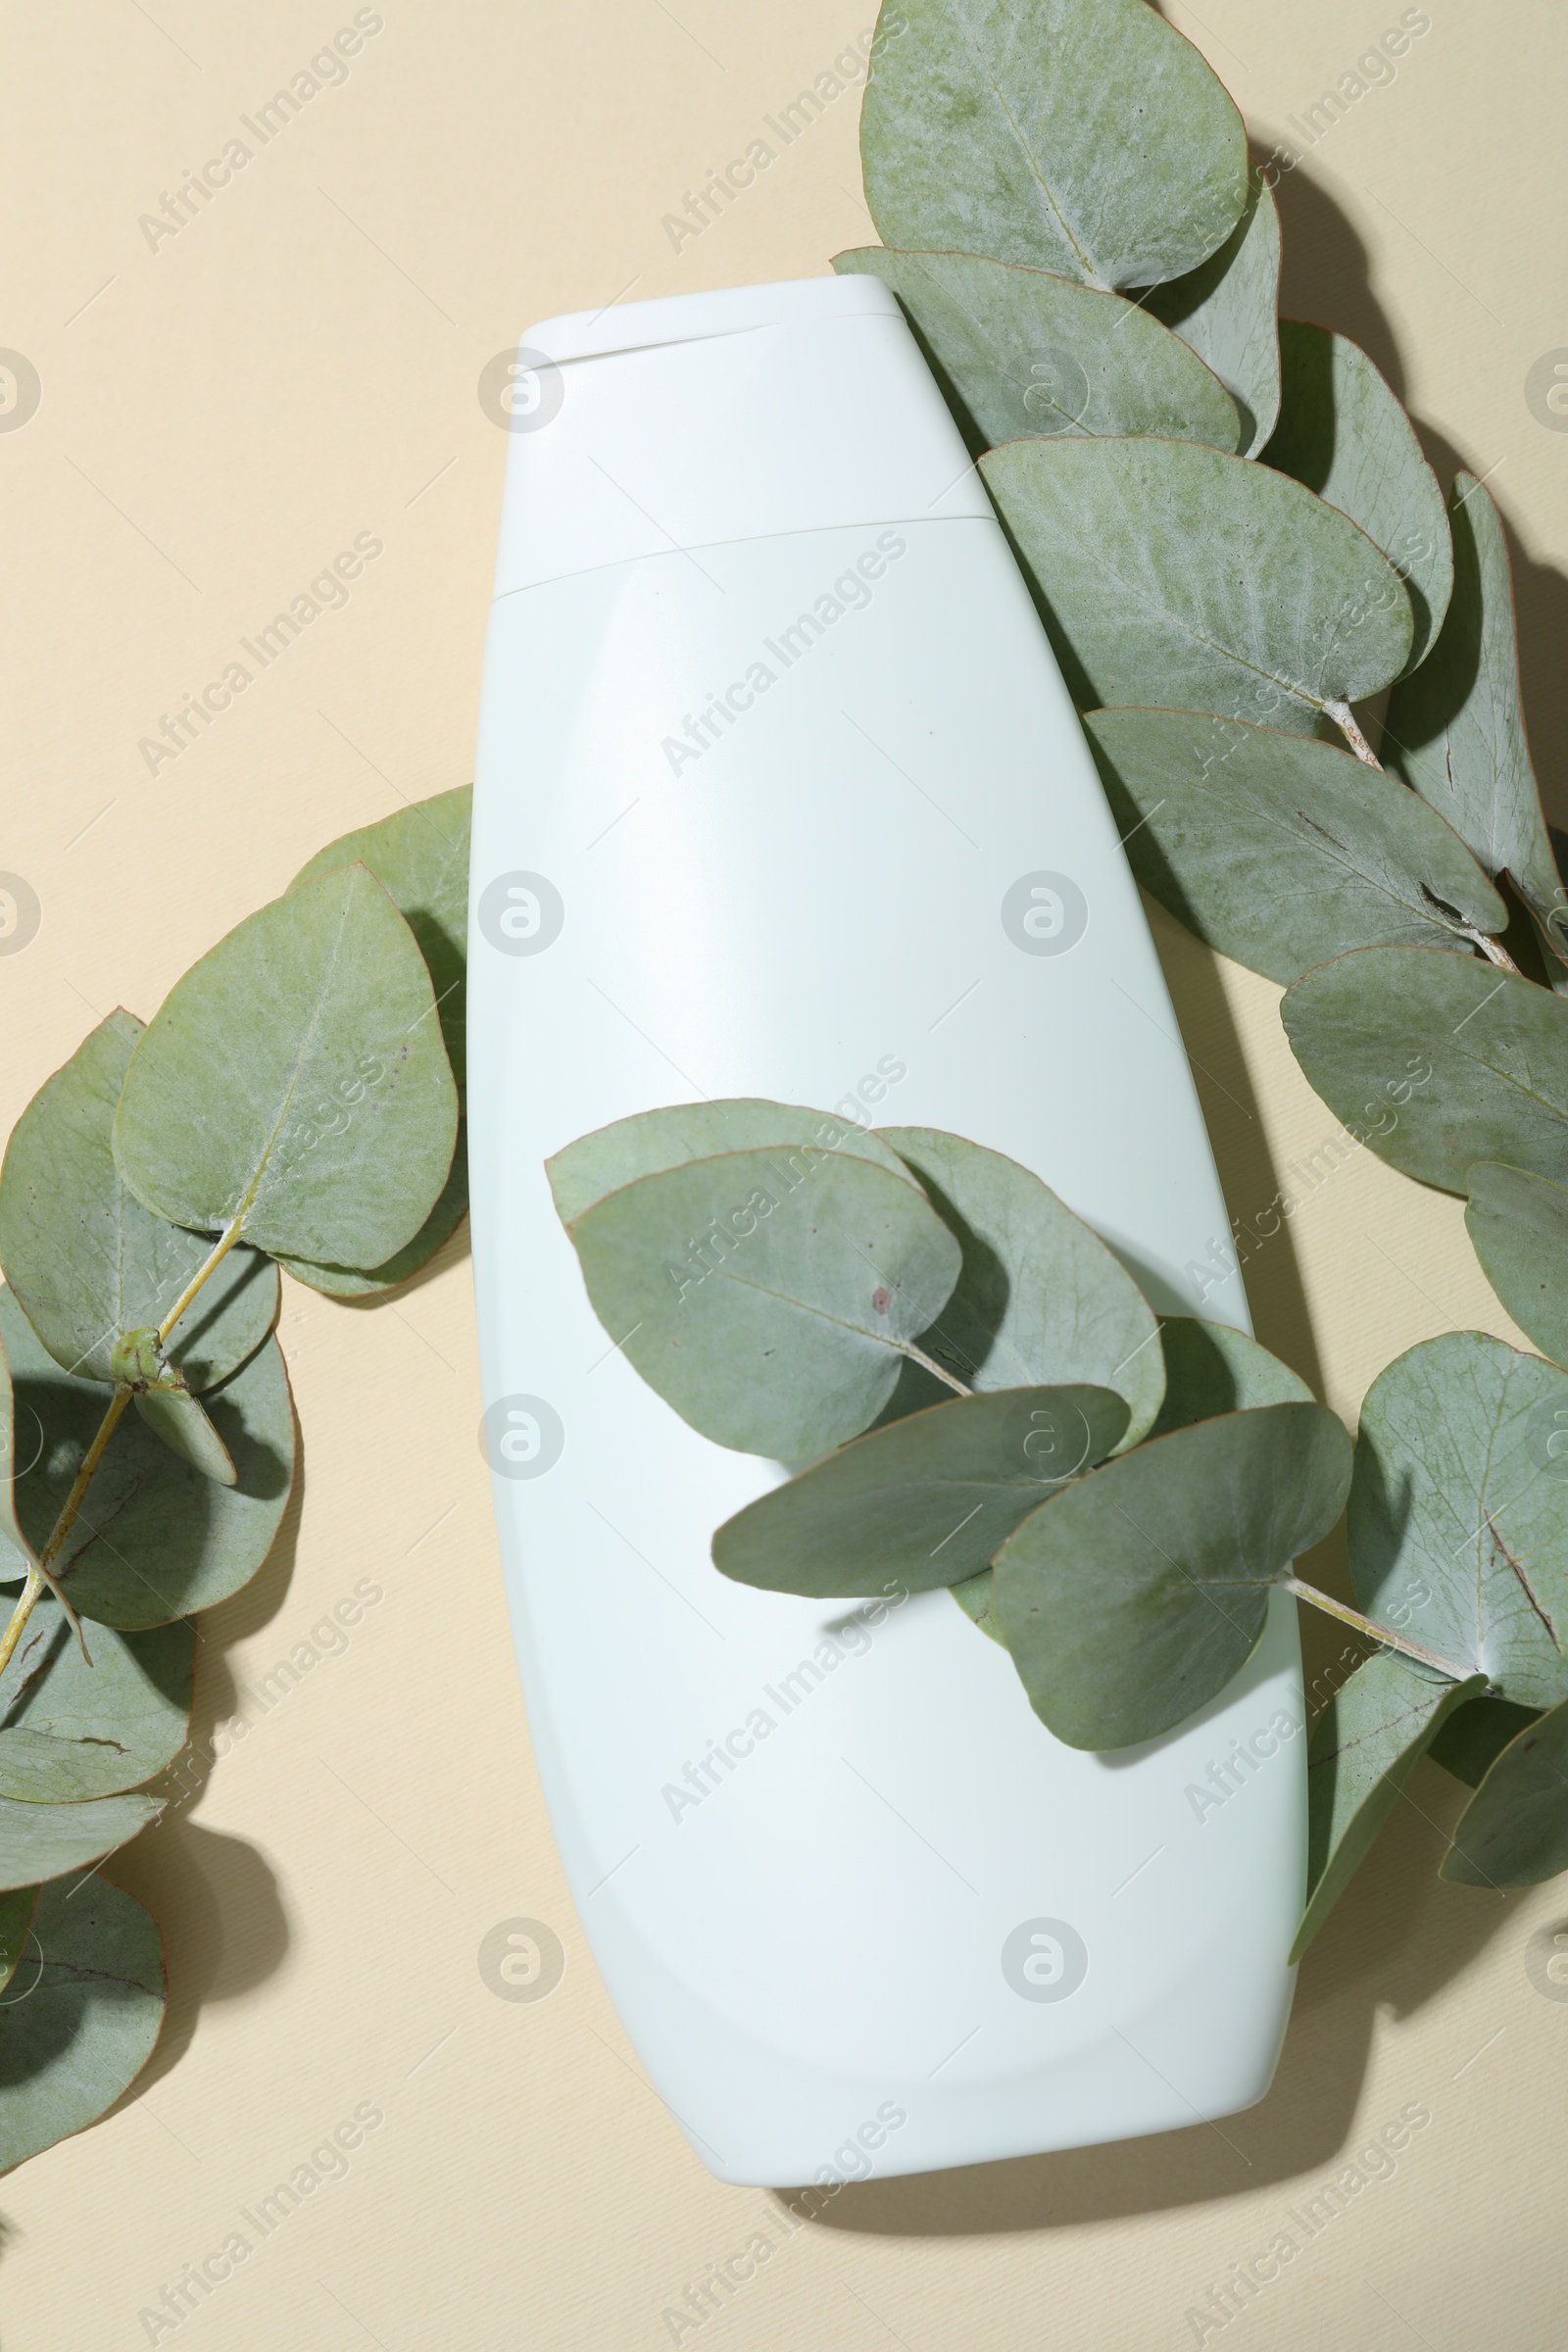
(767, 1295)
(1367, 1742)
(1343, 433)
(70, 1731)
(42, 1840)
(1281, 852)
(351, 1282)
(86, 1260)
(154, 1540)
(1135, 1594)
(177, 1419)
(651, 1140)
(1456, 727)
(1518, 1226)
(17, 1907)
(1211, 1369)
(419, 855)
(1225, 308)
(924, 1501)
(1458, 1515)
(1018, 354)
(80, 2032)
(1471, 1740)
(1090, 140)
(1148, 559)
(1514, 1831)
(294, 1083)
(1480, 1057)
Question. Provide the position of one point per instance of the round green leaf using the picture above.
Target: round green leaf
(1475, 1061)
(1459, 1517)
(1514, 1831)
(1343, 434)
(924, 1501)
(86, 1260)
(1149, 557)
(1518, 1224)
(154, 1539)
(1134, 1595)
(652, 1141)
(295, 1081)
(1040, 1298)
(1225, 309)
(1211, 1369)
(1090, 140)
(81, 2017)
(420, 858)
(1281, 852)
(70, 1731)
(1020, 354)
(349, 1282)
(42, 1840)
(1456, 727)
(1367, 1742)
(767, 1295)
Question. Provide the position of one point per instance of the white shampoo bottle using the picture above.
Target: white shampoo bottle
(780, 794)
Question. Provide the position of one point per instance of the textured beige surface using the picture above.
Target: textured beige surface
(220, 415)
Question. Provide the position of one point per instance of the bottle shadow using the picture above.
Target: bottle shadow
(1398, 1935)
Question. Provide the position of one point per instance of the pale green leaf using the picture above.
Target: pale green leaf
(652, 1141)
(1518, 1224)
(767, 1295)
(1367, 1742)
(351, 1282)
(1281, 852)
(1343, 433)
(1225, 309)
(1459, 1517)
(1041, 1300)
(923, 1502)
(1019, 354)
(295, 1082)
(1456, 727)
(1475, 1059)
(41, 1840)
(86, 1260)
(177, 1419)
(1211, 1369)
(1149, 560)
(1514, 1831)
(154, 1539)
(1132, 1598)
(419, 855)
(17, 1907)
(1090, 140)
(1471, 1740)
(82, 2015)
(70, 1731)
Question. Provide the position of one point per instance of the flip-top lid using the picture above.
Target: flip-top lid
(704, 418)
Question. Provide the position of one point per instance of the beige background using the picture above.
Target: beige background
(220, 416)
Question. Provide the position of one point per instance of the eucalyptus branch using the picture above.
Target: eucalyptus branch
(1489, 947)
(1345, 720)
(1375, 1632)
(209, 1265)
(927, 1363)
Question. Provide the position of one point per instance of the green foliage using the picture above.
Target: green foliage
(1457, 730)
(1146, 555)
(1226, 310)
(1091, 139)
(1518, 1224)
(293, 1098)
(1021, 355)
(1281, 852)
(1342, 433)
(1514, 1831)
